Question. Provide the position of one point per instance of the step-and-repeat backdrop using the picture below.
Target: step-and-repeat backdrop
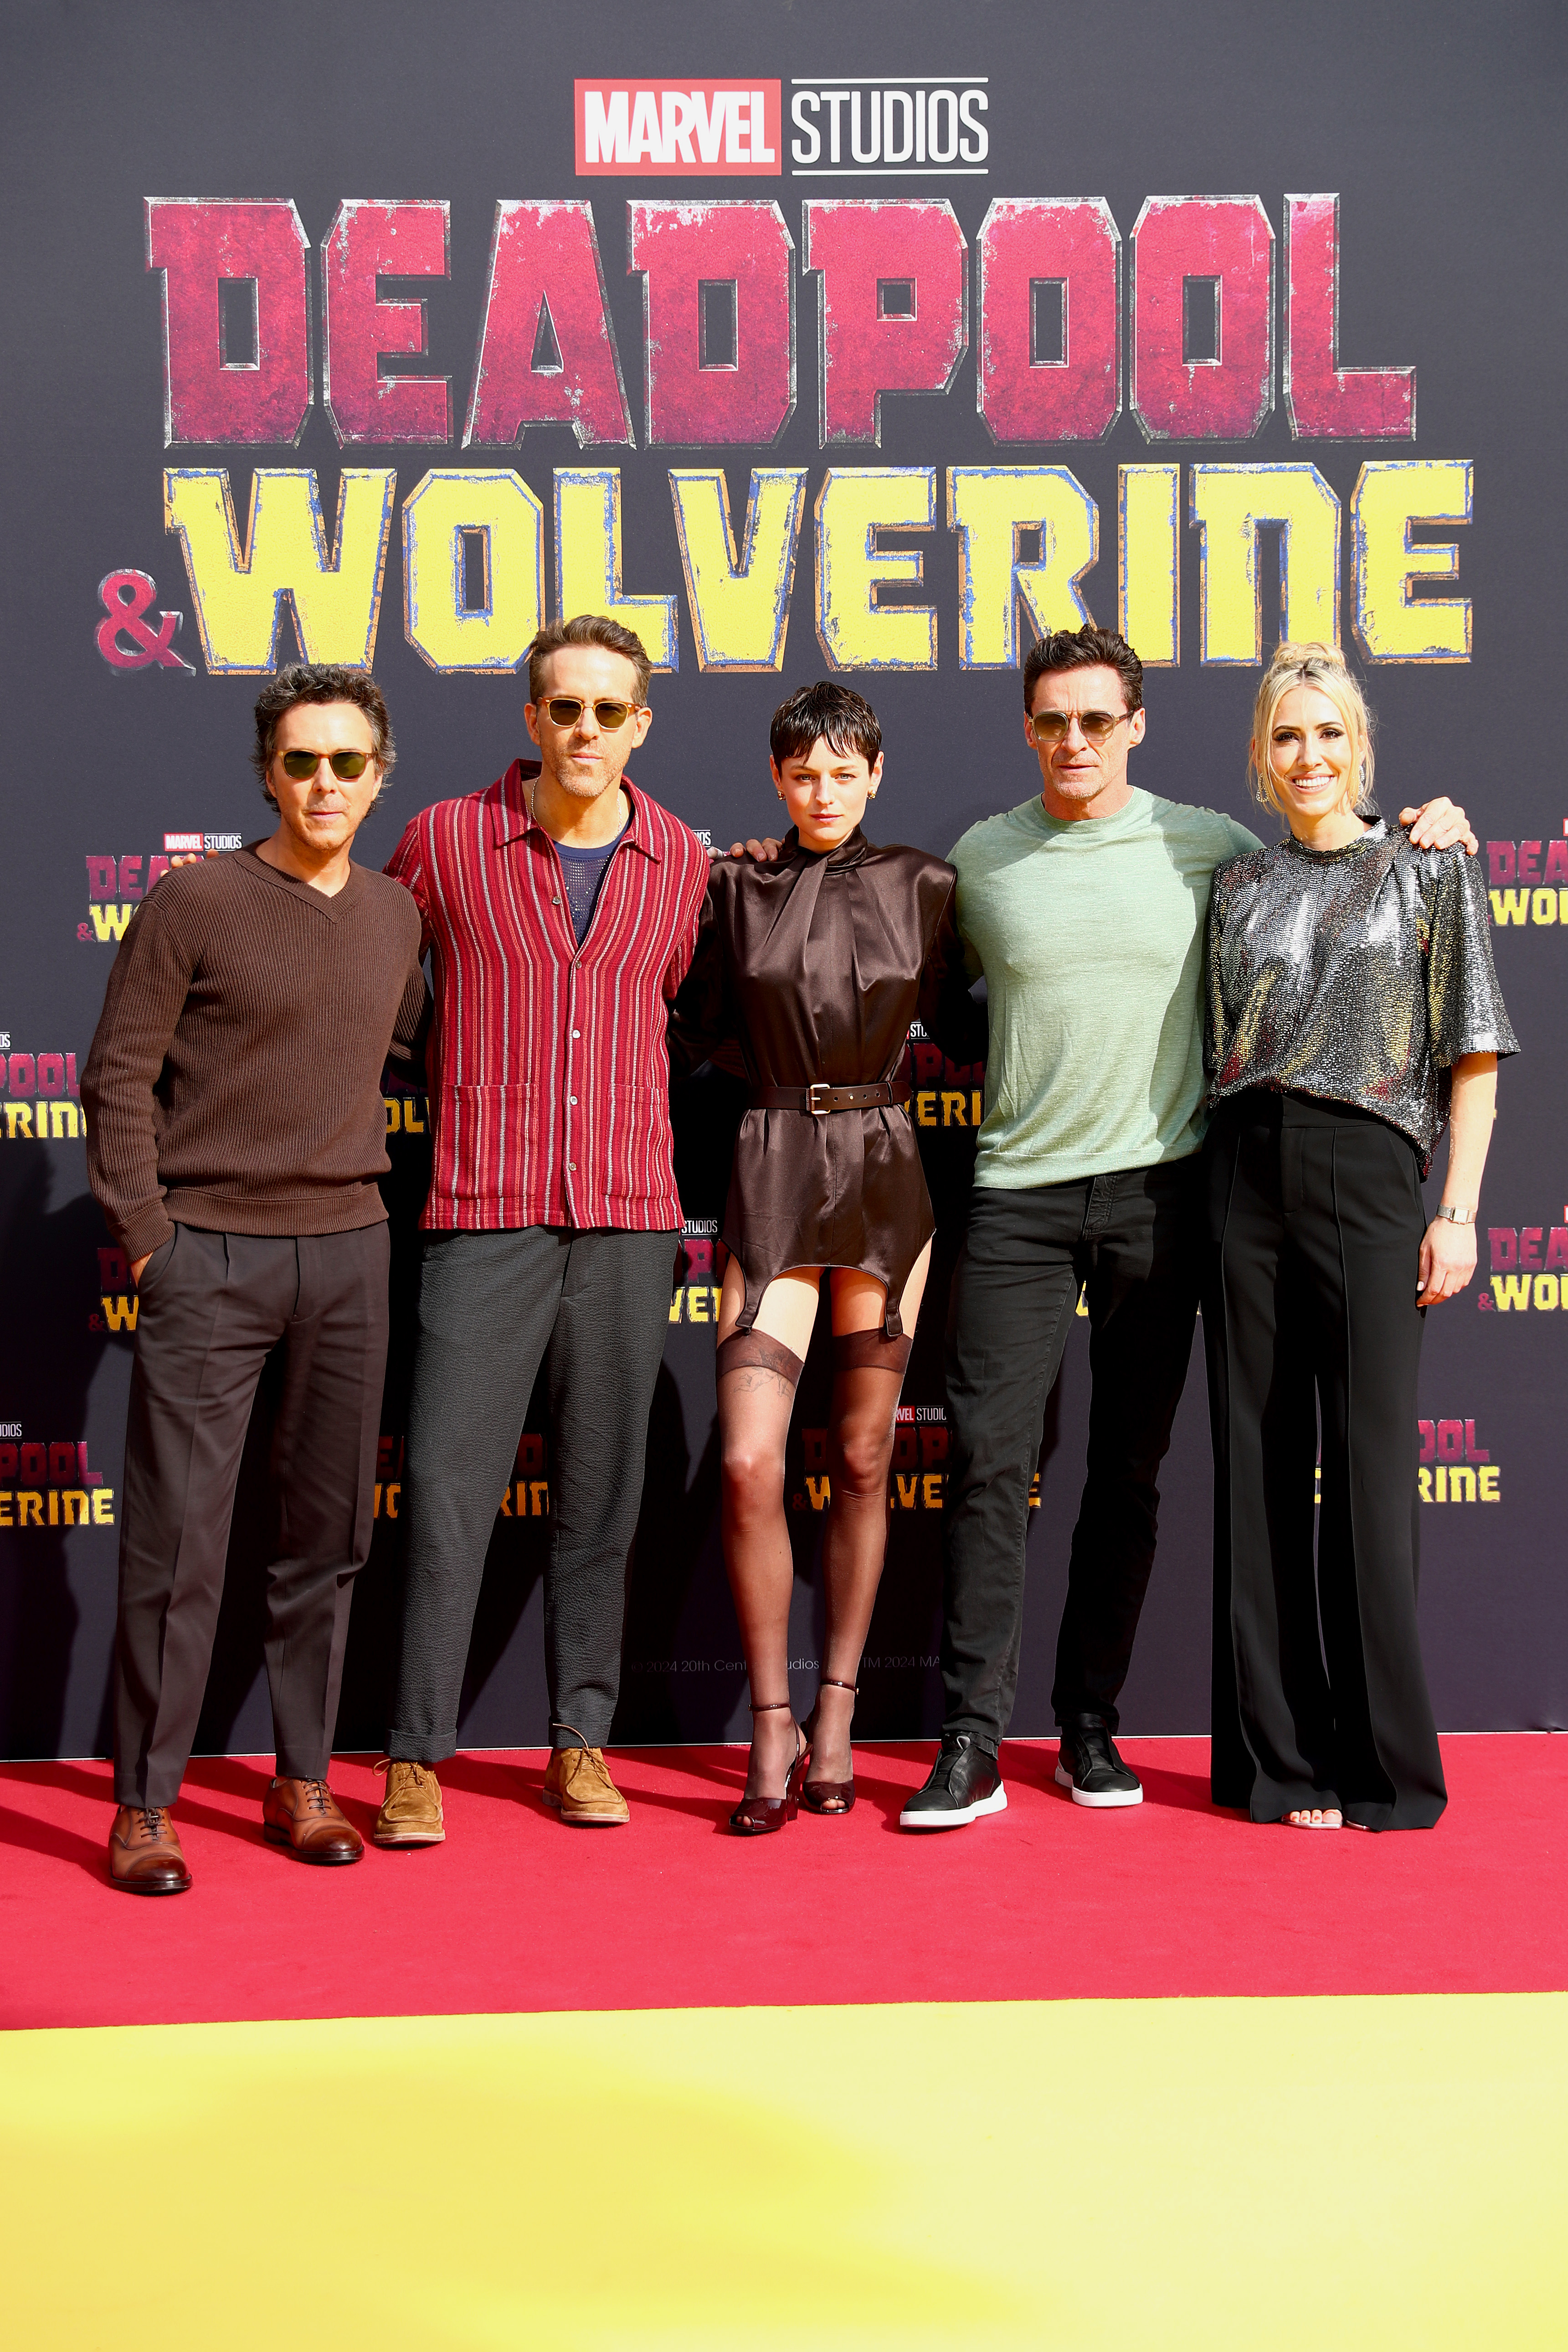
(808, 340)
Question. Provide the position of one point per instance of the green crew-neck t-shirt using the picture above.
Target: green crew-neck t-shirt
(1090, 936)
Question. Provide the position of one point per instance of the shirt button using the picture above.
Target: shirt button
(576, 1032)
(572, 1167)
(556, 901)
(573, 1101)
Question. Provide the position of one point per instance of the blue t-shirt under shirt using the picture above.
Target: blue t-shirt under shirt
(583, 871)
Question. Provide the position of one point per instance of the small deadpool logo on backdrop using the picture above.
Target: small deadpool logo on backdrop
(1529, 1269)
(115, 883)
(39, 1097)
(50, 1483)
(117, 1301)
(1528, 882)
(1454, 1466)
(525, 1495)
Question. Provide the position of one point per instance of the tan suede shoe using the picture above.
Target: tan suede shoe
(411, 1809)
(144, 1856)
(304, 1816)
(577, 1783)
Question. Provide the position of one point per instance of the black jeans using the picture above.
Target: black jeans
(212, 1308)
(1132, 1241)
(1320, 1698)
(594, 1304)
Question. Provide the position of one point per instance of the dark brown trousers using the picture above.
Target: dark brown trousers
(213, 1308)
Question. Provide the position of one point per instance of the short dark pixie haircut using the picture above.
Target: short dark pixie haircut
(319, 682)
(837, 712)
(588, 629)
(1085, 648)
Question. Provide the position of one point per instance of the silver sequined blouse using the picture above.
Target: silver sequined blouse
(1361, 975)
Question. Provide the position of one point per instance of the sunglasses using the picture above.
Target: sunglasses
(565, 710)
(347, 766)
(1098, 726)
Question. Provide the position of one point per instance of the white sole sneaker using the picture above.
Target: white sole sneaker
(1097, 1796)
(960, 1817)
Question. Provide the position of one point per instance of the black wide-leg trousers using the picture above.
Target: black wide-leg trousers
(594, 1306)
(1131, 1240)
(212, 1308)
(1320, 1698)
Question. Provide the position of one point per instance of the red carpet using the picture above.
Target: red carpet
(515, 1913)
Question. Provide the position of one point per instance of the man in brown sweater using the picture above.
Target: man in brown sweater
(234, 1134)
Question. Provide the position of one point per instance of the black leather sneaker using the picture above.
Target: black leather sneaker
(965, 1782)
(1090, 1766)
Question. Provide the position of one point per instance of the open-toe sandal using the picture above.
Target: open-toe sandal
(828, 1797)
(760, 1816)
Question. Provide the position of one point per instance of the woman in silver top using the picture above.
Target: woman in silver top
(1353, 1012)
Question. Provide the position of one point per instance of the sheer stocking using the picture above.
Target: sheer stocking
(757, 1378)
(868, 1375)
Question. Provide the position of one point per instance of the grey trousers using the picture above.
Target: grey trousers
(493, 1306)
(212, 1308)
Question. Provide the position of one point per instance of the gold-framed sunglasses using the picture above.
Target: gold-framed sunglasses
(1050, 726)
(566, 709)
(347, 766)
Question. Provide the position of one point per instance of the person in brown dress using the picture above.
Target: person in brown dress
(814, 967)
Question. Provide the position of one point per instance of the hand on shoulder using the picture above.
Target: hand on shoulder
(1439, 824)
(760, 852)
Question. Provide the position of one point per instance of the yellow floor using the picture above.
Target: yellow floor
(1146, 2175)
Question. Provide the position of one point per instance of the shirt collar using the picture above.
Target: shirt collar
(510, 819)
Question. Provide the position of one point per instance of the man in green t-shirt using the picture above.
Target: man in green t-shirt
(1085, 910)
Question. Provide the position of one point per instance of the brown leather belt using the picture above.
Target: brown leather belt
(821, 1100)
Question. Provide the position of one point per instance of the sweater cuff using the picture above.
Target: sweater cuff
(147, 1230)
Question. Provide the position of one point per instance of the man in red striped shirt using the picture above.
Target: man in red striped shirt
(560, 909)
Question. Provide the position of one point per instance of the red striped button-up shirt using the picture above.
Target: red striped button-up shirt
(547, 1067)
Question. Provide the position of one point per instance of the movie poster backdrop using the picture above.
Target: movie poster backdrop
(379, 333)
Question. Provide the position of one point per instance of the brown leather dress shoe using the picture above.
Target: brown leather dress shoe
(577, 1783)
(144, 1856)
(411, 1809)
(303, 1815)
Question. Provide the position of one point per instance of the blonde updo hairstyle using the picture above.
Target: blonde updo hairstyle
(1320, 667)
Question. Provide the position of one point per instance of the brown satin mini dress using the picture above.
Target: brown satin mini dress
(815, 968)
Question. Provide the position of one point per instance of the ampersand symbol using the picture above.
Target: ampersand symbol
(125, 596)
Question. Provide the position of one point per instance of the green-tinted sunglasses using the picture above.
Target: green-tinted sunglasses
(347, 766)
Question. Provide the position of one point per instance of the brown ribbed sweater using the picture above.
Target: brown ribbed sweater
(235, 1077)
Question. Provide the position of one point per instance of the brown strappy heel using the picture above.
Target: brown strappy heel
(759, 1816)
(830, 1797)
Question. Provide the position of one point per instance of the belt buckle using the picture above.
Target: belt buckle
(818, 1110)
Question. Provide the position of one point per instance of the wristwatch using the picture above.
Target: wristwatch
(1456, 1216)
